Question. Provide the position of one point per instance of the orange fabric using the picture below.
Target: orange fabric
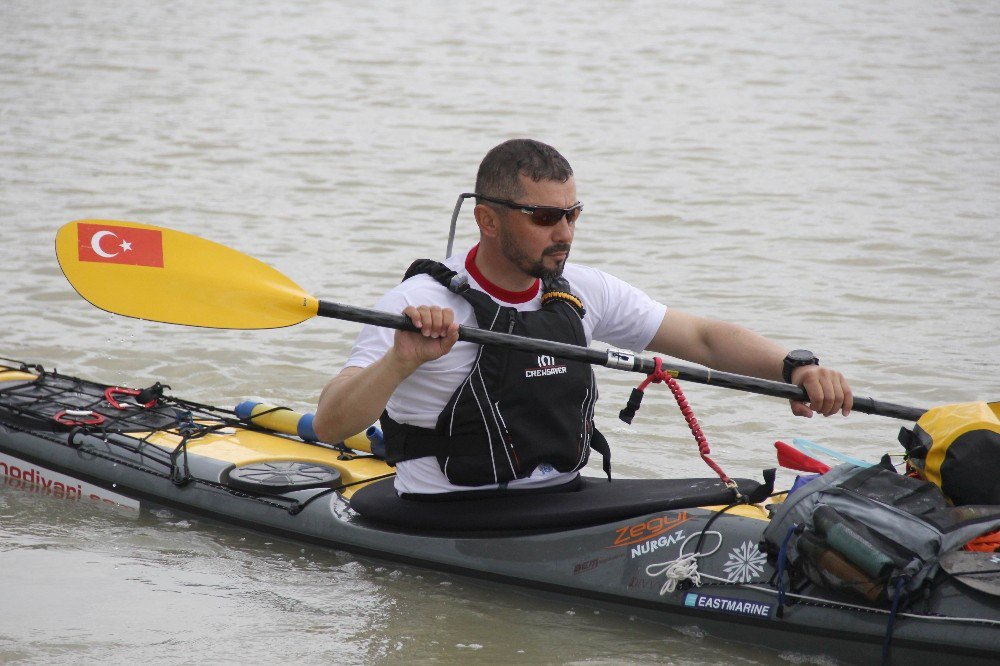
(988, 543)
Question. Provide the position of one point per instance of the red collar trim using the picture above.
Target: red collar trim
(493, 290)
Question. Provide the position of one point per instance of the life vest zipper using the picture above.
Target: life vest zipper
(507, 439)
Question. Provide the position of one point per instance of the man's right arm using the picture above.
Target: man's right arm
(356, 397)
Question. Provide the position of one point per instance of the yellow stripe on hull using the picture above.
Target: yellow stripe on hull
(16, 376)
(246, 447)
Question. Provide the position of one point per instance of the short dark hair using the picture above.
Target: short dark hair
(499, 170)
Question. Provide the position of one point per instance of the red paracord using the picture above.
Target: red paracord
(660, 375)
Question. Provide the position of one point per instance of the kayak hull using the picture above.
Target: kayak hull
(618, 565)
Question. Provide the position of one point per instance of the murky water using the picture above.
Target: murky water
(825, 175)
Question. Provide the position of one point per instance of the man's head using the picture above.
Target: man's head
(499, 171)
(515, 178)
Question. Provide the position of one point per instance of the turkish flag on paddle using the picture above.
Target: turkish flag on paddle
(112, 244)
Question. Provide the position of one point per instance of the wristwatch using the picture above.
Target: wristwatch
(796, 359)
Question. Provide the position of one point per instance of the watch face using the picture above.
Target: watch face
(801, 356)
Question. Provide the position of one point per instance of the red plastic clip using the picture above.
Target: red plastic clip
(71, 417)
(112, 391)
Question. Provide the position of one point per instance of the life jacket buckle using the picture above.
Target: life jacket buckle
(458, 283)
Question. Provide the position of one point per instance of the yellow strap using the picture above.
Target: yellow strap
(563, 296)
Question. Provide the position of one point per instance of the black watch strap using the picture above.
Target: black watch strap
(796, 359)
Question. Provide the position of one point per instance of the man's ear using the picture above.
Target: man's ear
(488, 220)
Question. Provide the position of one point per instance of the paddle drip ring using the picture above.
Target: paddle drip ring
(657, 376)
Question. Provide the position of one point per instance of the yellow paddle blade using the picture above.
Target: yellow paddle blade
(159, 274)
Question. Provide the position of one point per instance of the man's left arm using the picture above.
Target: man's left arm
(731, 348)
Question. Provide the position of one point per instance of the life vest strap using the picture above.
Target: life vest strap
(410, 441)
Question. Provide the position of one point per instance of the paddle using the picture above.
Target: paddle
(159, 274)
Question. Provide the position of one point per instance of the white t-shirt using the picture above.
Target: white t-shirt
(617, 314)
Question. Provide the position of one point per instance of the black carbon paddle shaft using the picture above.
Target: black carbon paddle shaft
(614, 359)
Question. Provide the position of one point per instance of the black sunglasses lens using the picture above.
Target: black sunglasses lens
(548, 217)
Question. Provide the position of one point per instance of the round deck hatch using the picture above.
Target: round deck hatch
(283, 476)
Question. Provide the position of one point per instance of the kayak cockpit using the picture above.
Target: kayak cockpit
(584, 502)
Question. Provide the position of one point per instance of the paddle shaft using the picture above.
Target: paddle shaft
(614, 359)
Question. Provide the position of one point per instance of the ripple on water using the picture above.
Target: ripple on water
(825, 176)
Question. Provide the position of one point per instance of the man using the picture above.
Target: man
(460, 417)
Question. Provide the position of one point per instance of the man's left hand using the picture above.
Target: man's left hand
(827, 389)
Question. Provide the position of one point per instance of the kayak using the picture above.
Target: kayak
(678, 551)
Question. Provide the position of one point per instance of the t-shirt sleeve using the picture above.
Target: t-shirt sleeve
(374, 341)
(628, 317)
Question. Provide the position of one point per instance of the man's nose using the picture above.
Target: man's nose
(562, 231)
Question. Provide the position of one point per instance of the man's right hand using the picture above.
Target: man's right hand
(357, 396)
(438, 334)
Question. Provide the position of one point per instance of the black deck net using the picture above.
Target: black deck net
(55, 402)
(58, 407)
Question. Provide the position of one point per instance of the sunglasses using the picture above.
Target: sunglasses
(543, 216)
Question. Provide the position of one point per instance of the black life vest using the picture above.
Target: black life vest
(515, 410)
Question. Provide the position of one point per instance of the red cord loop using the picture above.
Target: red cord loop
(660, 375)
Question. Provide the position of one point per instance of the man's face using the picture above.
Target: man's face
(536, 250)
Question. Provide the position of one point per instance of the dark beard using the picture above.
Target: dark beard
(533, 267)
(542, 273)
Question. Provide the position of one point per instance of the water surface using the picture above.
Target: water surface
(826, 176)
